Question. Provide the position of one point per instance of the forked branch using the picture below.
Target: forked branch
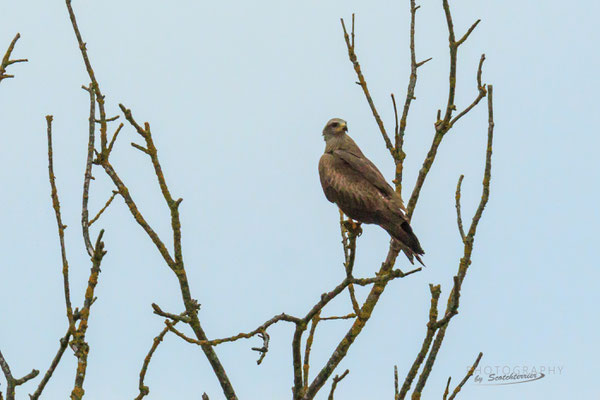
(454, 298)
(465, 379)
(336, 380)
(399, 154)
(442, 126)
(11, 381)
(363, 84)
(6, 61)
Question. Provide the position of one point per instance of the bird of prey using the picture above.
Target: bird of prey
(353, 182)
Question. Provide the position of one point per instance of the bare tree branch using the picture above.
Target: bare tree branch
(181, 317)
(6, 61)
(114, 139)
(64, 342)
(78, 344)
(145, 390)
(108, 202)
(309, 341)
(176, 262)
(431, 328)
(11, 382)
(363, 84)
(396, 392)
(241, 335)
(481, 92)
(265, 347)
(365, 313)
(399, 155)
(442, 126)
(61, 226)
(459, 221)
(85, 223)
(350, 232)
(465, 379)
(336, 380)
(94, 85)
(465, 261)
(447, 389)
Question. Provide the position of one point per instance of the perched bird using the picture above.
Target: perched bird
(353, 182)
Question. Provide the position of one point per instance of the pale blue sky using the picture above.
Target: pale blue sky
(237, 94)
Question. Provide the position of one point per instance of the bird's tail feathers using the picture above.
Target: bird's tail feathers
(411, 255)
(404, 236)
(419, 260)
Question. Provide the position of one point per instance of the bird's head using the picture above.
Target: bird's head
(335, 127)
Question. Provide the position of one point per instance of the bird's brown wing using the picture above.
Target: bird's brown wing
(366, 168)
(361, 192)
(349, 189)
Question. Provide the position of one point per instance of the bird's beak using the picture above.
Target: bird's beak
(345, 127)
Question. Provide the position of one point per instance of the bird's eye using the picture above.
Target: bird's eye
(335, 124)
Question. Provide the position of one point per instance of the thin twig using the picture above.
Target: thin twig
(111, 119)
(145, 390)
(85, 223)
(385, 276)
(114, 139)
(465, 379)
(61, 226)
(6, 61)
(265, 347)
(241, 335)
(350, 232)
(108, 202)
(431, 328)
(488, 168)
(469, 31)
(94, 85)
(309, 340)
(445, 396)
(461, 230)
(139, 218)
(181, 317)
(337, 318)
(399, 155)
(308, 347)
(336, 380)
(481, 92)
(140, 148)
(396, 392)
(64, 342)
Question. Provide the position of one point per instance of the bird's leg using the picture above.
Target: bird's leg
(341, 217)
(352, 227)
(350, 231)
